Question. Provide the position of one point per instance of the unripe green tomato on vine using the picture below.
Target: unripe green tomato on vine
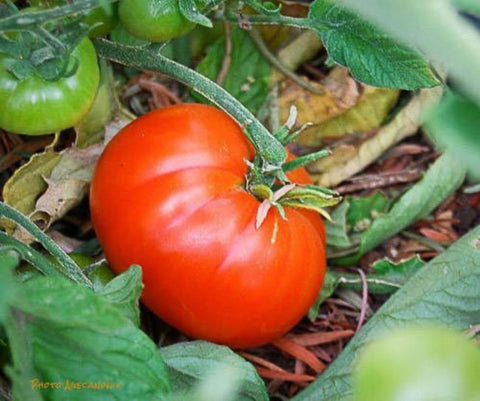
(154, 20)
(99, 276)
(33, 105)
(102, 21)
(419, 364)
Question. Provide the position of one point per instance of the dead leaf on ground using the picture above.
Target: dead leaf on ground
(27, 183)
(67, 184)
(405, 123)
(317, 108)
(369, 113)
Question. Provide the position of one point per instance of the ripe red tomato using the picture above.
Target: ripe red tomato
(168, 194)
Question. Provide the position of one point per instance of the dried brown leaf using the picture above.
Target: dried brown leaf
(67, 183)
(317, 108)
(27, 183)
(405, 123)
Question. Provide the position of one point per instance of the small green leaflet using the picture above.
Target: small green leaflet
(248, 74)
(124, 291)
(388, 277)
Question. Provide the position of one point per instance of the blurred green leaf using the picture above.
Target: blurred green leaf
(248, 74)
(371, 55)
(442, 179)
(472, 6)
(444, 291)
(64, 333)
(454, 125)
(421, 364)
(189, 362)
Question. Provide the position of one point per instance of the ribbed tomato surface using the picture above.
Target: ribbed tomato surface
(168, 194)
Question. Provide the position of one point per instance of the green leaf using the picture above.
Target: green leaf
(189, 362)
(372, 56)
(330, 284)
(124, 291)
(248, 75)
(472, 6)
(444, 291)
(442, 179)
(454, 125)
(9, 259)
(337, 228)
(363, 211)
(405, 267)
(438, 40)
(64, 333)
(387, 279)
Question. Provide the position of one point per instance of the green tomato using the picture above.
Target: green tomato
(120, 35)
(34, 106)
(99, 276)
(419, 364)
(102, 20)
(153, 20)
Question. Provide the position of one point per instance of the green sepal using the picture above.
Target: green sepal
(191, 12)
(304, 160)
(281, 134)
(262, 192)
(311, 197)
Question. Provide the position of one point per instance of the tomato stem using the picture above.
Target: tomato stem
(276, 19)
(271, 152)
(74, 272)
(20, 21)
(30, 255)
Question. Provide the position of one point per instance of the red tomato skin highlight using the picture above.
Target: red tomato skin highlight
(168, 195)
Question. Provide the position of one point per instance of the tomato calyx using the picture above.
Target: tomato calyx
(273, 187)
(42, 50)
(192, 13)
(309, 197)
